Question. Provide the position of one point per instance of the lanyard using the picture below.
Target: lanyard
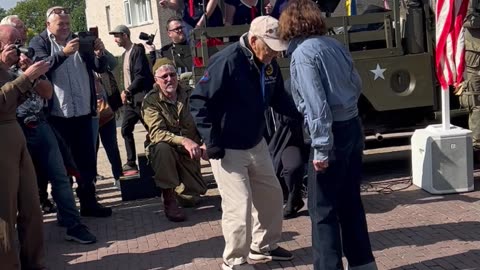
(262, 83)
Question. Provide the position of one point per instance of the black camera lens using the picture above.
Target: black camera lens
(29, 52)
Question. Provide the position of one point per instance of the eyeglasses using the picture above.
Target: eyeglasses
(172, 75)
(176, 30)
(59, 11)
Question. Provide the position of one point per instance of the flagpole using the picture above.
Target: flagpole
(446, 108)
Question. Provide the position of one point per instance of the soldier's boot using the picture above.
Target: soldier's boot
(188, 201)
(172, 211)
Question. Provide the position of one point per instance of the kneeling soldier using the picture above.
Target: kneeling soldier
(175, 147)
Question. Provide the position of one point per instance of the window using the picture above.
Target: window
(137, 12)
(128, 16)
(107, 11)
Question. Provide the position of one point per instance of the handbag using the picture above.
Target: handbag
(104, 111)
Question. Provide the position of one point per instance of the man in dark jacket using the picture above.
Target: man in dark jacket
(74, 102)
(228, 106)
(137, 81)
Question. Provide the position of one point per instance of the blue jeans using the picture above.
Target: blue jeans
(335, 206)
(43, 147)
(108, 136)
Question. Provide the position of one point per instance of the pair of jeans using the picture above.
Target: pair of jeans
(131, 116)
(77, 132)
(335, 206)
(47, 158)
(108, 136)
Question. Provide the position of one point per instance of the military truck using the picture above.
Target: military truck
(394, 54)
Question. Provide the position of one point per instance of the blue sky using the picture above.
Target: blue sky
(7, 4)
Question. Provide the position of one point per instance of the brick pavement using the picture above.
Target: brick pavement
(409, 229)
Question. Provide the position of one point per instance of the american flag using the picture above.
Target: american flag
(450, 52)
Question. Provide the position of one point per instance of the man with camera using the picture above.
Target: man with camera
(176, 34)
(72, 63)
(137, 80)
(18, 195)
(45, 151)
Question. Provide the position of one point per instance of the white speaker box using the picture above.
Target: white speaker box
(442, 160)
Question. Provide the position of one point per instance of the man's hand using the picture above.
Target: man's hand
(204, 152)
(268, 8)
(36, 70)
(98, 47)
(9, 55)
(149, 48)
(71, 47)
(192, 147)
(24, 62)
(44, 89)
(320, 166)
(123, 95)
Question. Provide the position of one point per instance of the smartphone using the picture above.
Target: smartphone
(94, 30)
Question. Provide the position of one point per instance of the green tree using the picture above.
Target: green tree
(3, 13)
(33, 13)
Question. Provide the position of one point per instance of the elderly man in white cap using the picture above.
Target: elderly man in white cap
(228, 105)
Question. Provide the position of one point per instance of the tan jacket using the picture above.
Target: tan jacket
(166, 121)
(12, 93)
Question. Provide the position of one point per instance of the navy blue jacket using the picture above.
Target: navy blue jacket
(42, 46)
(228, 102)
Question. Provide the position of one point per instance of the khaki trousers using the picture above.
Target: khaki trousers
(18, 192)
(249, 189)
(175, 169)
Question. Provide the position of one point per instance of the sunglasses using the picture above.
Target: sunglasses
(58, 11)
(172, 75)
(176, 30)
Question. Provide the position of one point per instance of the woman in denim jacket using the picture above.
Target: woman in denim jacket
(326, 87)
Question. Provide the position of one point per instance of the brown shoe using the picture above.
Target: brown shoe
(172, 211)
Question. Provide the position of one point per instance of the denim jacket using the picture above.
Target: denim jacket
(325, 87)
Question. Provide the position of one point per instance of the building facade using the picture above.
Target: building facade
(139, 15)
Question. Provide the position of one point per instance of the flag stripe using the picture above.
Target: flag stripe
(450, 44)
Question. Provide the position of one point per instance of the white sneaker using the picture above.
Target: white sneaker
(244, 266)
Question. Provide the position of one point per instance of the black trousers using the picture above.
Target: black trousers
(293, 170)
(131, 116)
(334, 203)
(77, 134)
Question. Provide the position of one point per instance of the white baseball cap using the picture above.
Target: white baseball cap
(266, 27)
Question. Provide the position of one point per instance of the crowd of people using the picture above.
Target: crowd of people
(257, 131)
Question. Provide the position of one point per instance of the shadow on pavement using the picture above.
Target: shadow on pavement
(207, 250)
(426, 235)
(469, 260)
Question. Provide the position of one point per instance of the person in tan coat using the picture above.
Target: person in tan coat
(175, 145)
(19, 203)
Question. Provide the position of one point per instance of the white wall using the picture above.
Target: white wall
(97, 16)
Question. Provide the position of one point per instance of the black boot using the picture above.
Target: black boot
(89, 206)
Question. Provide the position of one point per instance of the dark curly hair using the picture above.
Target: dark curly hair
(301, 18)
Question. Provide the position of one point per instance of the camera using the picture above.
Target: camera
(86, 39)
(29, 52)
(147, 37)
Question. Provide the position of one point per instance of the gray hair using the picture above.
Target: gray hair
(9, 20)
(50, 12)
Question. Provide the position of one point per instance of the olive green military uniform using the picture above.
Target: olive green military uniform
(19, 202)
(168, 124)
(470, 96)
